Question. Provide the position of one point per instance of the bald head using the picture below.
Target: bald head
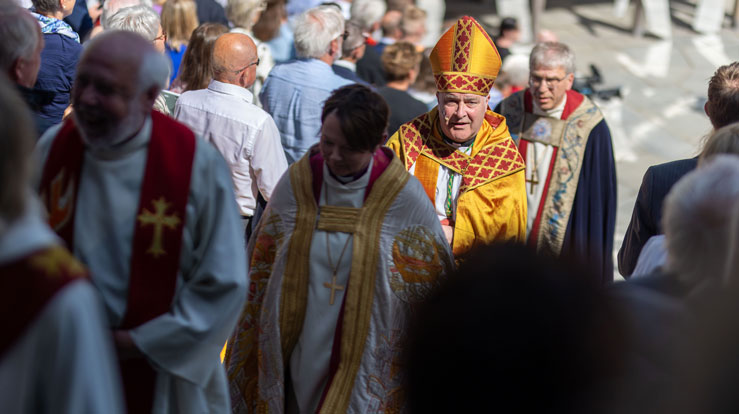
(119, 76)
(235, 59)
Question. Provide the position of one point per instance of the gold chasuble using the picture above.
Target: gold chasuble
(398, 255)
(491, 205)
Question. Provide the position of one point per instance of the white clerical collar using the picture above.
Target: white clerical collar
(26, 234)
(141, 139)
(359, 183)
(346, 64)
(555, 112)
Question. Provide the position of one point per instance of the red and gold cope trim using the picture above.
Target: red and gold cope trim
(492, 162)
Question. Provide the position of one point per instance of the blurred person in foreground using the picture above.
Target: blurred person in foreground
(21, 43)
(570, 169)
(462, 152)
(295, 91)
(196, 70)
(246, 136)
(722, 109)
(56, 354)
(149, 208)
(402, 63)
(348, 245)
(530, 333)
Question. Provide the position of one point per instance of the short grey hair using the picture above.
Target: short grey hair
(154, 71)
(367, 12)
(552, 55)
(139, 19)
(696, 219)
(315, 29)
(19, 35)
(112, 7)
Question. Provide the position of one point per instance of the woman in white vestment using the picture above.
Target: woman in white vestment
(346, 248)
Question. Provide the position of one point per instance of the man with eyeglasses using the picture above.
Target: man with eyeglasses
(246, 136)
(570, 170)
(461, 151)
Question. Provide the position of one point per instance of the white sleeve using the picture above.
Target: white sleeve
(268, 160)
(186, 341)
(81, 375)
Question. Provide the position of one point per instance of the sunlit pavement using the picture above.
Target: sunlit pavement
(663, 82)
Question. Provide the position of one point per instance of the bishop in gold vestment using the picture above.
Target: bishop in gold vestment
(462, 152)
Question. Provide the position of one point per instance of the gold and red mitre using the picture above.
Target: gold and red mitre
(465, 59)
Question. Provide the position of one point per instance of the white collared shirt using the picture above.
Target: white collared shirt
(246, 136)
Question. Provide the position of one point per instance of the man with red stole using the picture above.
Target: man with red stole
(56, 354)
(570, 170)
(462, 152)
(345, 249)
(149, 208)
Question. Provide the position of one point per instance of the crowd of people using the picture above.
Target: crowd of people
(212, 206)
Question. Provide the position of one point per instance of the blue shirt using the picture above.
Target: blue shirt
(294, 94)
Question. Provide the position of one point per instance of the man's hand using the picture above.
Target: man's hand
(125, 346)
(448, 232)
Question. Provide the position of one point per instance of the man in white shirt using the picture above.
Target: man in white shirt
(224, 115)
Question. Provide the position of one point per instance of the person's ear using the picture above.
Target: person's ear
(17, 68)
(707, 109)
(334, 47)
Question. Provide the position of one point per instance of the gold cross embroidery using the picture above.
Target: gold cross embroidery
(334, 287)
(158, 220)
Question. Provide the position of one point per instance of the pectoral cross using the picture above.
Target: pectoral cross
(159, 221)
(533, 181)
(334, 287)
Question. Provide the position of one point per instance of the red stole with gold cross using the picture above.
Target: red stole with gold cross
(38, 277)
(157, 240)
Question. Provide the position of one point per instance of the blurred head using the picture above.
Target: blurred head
(401, 62)
(51, 8)
(461, 114)
(533, 325)
(111, 7)
(723, 141)
(696, 217)
(413, 24)
(390, 24)
(318, 33)
(269, 23)
(368, 13)
(425, 81)
(179, 19)
(509, 29)
(722, 106)
(551, 74)
(16, 146)
(398, 5)
(196, 69)
(354, 122)
(21, 43)
(354, 43)
(517, 69)
(245, 13)
(235, 60)
(142, 20)
(119, 76)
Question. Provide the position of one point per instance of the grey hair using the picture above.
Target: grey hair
(367, 12)
(696, 218)
(241, 12)
(111, 7)
(315, 29)
(19, 34)
(552, 55)
(154, 71)
(354, 39)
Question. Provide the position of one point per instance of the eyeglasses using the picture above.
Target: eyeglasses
(163, 37)
(551, 82)
(247, 66)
